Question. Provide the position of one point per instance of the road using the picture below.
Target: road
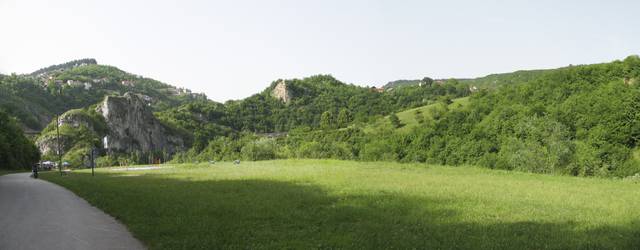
(35, 214)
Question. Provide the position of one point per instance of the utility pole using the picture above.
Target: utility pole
(58, 137)
(58, 143)
(93, 161)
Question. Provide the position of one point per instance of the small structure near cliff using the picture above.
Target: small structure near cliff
(281, 92)
(133, 127)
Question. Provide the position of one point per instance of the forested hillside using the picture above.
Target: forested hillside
(314, 102)
(577, 120)
(35, 98)
(486, 82)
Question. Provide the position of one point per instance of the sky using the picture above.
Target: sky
(233, 49)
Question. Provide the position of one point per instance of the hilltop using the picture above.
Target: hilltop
(486, 82)
(35, 98)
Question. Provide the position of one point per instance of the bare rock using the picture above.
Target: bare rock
(281, 92)
(133, 127)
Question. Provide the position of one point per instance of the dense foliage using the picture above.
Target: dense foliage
(64, 66)
(77, 138)
(486, 82)
(34, 100)
(323, 96)
(578, 120)
(16, 151)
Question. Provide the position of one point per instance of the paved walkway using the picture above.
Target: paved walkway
(36, 214)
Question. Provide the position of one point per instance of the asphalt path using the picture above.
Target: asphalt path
(36, 214)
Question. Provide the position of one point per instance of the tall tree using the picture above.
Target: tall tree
(427, 81)
(16, 151)
(344, 118)
(326, 120)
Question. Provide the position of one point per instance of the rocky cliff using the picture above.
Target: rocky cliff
(132, 126)
(281, 92)
(126, 121)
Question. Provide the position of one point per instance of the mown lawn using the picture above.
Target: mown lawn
(308, 204)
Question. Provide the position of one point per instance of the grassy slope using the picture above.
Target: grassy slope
(408, 117)
(340, 204)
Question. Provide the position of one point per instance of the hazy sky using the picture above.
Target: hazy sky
(232, 49)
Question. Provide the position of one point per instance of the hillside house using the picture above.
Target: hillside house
(629, 81)
(379, 90)
(127, 83)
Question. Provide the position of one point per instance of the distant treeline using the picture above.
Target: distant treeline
(67, 65)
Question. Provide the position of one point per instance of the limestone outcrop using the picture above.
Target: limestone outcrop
(125, 121)
(132, 126)
(281, 92)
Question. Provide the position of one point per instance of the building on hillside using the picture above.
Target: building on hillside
(473, 88)
(74, 83)
(629, 81)
(127, 83)
(375, 89)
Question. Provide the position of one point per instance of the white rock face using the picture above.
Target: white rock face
(281, 92)
(133, 127)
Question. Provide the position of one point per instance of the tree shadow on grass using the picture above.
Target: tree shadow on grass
(182, 214)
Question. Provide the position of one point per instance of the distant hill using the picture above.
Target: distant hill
(401, 83)
(489, 81)
(65, 66)
(35, 98)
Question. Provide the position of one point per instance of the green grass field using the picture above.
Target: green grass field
(309, 204)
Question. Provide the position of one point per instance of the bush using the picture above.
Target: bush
(262, 149)
(378, 150)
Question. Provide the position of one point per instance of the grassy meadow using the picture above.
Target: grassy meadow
(328, 204)
(408, 117)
